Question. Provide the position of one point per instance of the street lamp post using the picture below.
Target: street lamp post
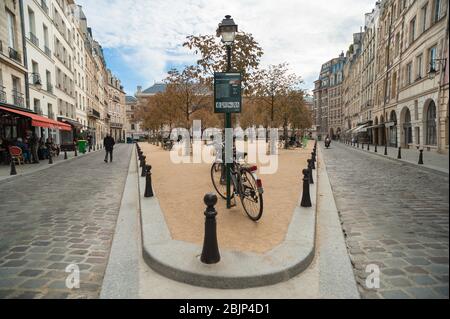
(227, 30)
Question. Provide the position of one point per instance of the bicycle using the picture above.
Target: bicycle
(245, 184)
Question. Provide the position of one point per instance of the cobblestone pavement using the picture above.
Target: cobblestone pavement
(395, 216)
(56, 217)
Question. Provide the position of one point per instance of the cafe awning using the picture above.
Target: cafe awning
(37, 120)
(74, 123)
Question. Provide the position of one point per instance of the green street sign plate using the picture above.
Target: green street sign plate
(227, 93)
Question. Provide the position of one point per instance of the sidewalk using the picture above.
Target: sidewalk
(431, 160)
(32, 168)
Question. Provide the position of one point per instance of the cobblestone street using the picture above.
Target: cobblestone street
(396, 216)
(53, 218)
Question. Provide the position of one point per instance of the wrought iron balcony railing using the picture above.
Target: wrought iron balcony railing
(48, 52)
(13, 54)
(49, 88)
(34, 39)
(2, 94)
(44, 6)
(18, 99)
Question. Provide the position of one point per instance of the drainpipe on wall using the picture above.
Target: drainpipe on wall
(442, 73)
(25, 59)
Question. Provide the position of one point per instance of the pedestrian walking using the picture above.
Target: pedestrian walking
(108, 143)
(89, 139)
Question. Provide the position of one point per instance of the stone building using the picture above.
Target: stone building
(116, 107)
(353, 118)
(133, 124)
(13, 65)
(396, 89)
(328, 110)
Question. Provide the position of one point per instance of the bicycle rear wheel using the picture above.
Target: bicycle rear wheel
(251, 199)
(218, 177)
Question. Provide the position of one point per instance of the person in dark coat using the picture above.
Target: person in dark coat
(108, 143)
(34, 145)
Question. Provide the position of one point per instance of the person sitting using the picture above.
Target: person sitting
(25, 150)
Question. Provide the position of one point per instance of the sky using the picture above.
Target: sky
(142, 39)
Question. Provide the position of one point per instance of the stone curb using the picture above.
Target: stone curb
(80, 155)
(180, 261)
(427, 168)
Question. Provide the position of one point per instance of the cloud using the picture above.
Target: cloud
(148, 34)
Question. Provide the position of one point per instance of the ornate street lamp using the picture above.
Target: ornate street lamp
(227, 29)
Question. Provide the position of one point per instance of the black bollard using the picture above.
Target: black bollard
(399, 156)
(376, 149)
(65, 155)
(357, 144)
(13, 167)
(143, 161)
(148, 182)
(421, 157)
(50, 159)
(311, 180)
(368, 146)
(306, 198)
(76, 152)
(210, 253)
(313, 163)
(144, 170)
(313, 156)
(385, 149)
(363, 146)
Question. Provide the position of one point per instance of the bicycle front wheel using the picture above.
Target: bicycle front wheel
(251, 199)
(218, 177)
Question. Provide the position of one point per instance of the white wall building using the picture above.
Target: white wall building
(39, 32)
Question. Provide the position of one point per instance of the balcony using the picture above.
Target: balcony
(51, 115)
(2, 94)
(38, 110)
(117, 125)
(44, 6)
(36, 79)
(18, 99)
(93, 113)
(48, 52)
(13, 54)
(49, 88)
(34, 39)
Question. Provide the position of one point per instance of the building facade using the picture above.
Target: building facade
(396, 87)
(53, 76)
(328, 103)
(13, 65)
(117, 109)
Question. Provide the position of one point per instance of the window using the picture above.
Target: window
(409, 73)
(45, 36)
(424, 17)
(11, 29)
(437, 10)
(412, 30)
(432, 57)
(419, 66)
(31, 21)
(431, 124)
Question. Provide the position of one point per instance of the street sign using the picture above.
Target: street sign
(227, 93)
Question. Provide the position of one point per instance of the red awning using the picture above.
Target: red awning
(37, 120)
